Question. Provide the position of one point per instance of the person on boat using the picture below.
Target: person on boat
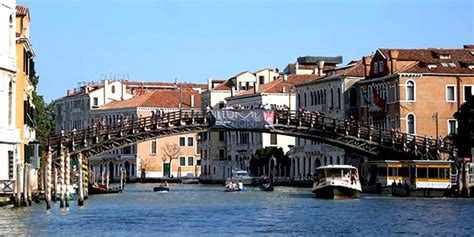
(166, 184)
(353, 177)
(241, 185)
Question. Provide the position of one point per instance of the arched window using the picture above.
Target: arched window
(305, 100)
(410, 91)
(312, 98)
(395, 92)
(339, 98)
(298, 101)
(112, 89)
(332, 98)
(324, 97)
(411, 124)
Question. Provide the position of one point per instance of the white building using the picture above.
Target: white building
(9, 135)
(333, 96)
(215, 160)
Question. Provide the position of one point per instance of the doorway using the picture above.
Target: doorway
(166, 170)
(111, 171)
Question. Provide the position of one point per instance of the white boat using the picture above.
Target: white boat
(238, 174)
(337, 181)
(190, 179)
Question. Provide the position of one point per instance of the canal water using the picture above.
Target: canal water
(202, 210)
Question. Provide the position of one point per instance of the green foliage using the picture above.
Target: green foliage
(44, 118)
(262, 157)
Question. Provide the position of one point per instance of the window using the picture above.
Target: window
(182, 161)
(467, 92)
(273, 139)
(10, 103)
(112, 89)
(452, 126)
(339, 98)
(153, 147)
(381, 67)
(221, 154)
(411, 124)
(410, 91)
(376, 67)
(332, 99)
(450, 93)
(182, 141)
(190, 161)
(221, 135)
(96, 101)
(395, 92)
(190, 141)
(261, 80)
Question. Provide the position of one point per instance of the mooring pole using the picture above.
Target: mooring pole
(80, 200)
(55, 184)
(48, 167)
(67, 183)
(62, 180)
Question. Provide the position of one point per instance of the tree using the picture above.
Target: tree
(262, 157)
(44, 113)
(171, 152)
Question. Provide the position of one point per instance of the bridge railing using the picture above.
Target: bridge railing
(330, 126)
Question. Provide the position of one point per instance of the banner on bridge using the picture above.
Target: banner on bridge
(241, 119)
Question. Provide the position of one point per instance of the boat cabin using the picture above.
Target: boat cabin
(331, 172)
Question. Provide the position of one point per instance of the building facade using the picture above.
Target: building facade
(416, 91)
(9, 134)
(172, 156)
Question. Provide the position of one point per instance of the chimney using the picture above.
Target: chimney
(296, 67)
(320, 67)
(176, 81)
(86, 89)
(393, 57)
(192, 101)
(209, 84)
(366, 61)
(285, 77)
(70, 92)
(256, 86)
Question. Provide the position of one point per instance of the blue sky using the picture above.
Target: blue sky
(194, 40)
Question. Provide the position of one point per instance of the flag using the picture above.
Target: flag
(378, 100)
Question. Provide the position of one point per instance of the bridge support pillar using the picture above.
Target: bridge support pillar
(62, 179)
(67, 176)
(47, 169)
(80, 199)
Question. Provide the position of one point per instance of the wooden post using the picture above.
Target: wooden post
(62, 184)
(121, 179)
(17, 186)
(48, 167)
(85, 183)
(107, 174)
(67, 178)
(29, 188)
(80, 199)
(26, 184)
(55, 184)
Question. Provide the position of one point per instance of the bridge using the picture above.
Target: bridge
(361, 138)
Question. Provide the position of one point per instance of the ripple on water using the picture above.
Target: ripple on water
(207, 210)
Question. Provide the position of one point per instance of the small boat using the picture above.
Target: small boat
(161, 189)
(267, 187)
(337, 181)
(234, 186)
(102, 189)
(242, 175)
(190, 179)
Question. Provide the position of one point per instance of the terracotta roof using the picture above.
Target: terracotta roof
(158, 98)
(431, 56)
(222, 87)
(355, 70)
(163, 84)
(22, 11)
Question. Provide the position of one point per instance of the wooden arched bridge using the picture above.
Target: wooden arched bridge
(360, 138)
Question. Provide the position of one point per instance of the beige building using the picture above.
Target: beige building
(152, 158)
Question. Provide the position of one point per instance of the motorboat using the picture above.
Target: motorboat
(267, 187)
(242, 175)
(337, 181)
(234, 186)
(163, 188)
(190, 179)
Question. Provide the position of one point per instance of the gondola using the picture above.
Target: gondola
(102, 189)
(268, 187)
(161, 189)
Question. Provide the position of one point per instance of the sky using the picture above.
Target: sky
(193, 40)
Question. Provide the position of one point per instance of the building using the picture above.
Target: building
(214, 145)
(171, 156)
(333, 95)
(416, 90)
(73, 110)
(9, 134)
(315, 65)
(26, 81)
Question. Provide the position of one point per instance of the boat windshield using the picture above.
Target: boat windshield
(339, 172)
